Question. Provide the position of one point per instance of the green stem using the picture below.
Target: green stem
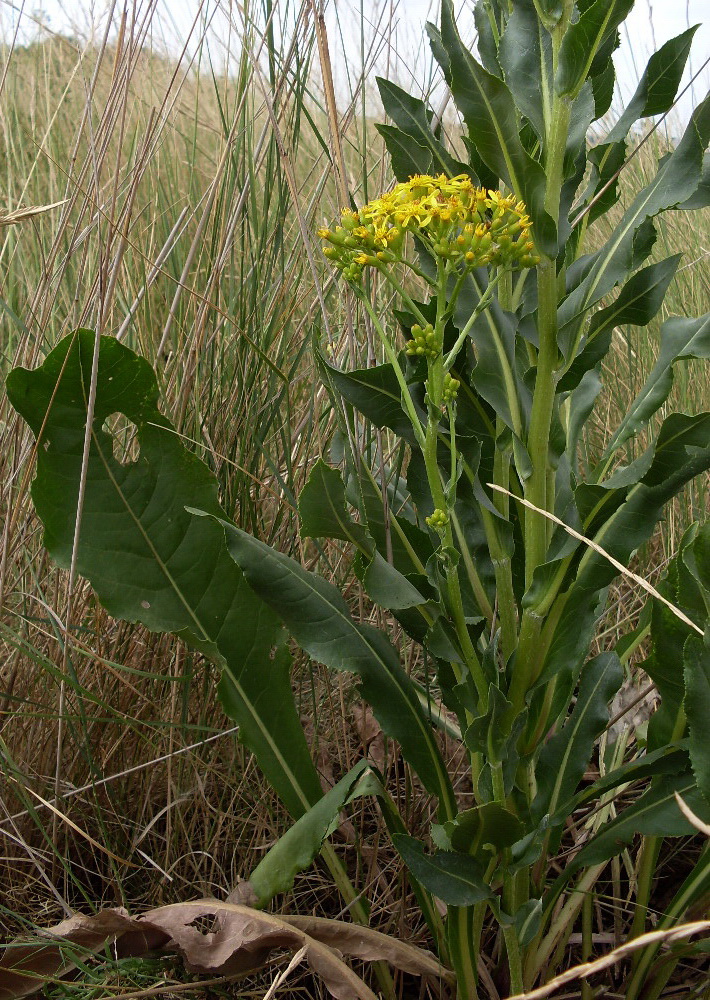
(394, 361)
(473, 578)
(505, 596)
(452, 580)
(587, 948)
(480, 307)
(540, 420)
(461, 930)
(515, 963)
(419, 315)
(566, 917)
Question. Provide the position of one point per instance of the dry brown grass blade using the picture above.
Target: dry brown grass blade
(77, 829)
(649, 588)
(241, 941)
(21, 214)
(587, 969)
(691, 817)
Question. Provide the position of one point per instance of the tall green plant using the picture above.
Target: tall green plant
(462, 537)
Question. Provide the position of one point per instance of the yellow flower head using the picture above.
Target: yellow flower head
(464, 225)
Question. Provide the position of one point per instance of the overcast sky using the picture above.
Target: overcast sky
(394, 27)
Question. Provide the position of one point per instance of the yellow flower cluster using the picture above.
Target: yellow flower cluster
(460, 223)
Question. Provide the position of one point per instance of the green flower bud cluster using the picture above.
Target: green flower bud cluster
(450, 389)
(439, 520)
(361, 242)
(425, 342)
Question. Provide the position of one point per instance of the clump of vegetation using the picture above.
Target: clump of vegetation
(476, 522)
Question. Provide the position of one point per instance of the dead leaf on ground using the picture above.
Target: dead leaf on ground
(237, 940)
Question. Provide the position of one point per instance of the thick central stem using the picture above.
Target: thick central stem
(539, 488)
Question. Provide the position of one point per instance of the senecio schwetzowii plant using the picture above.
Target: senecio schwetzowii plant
(486, 385)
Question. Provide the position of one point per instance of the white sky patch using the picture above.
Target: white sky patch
(394, 29)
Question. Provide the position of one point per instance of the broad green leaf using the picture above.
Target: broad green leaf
(637, 303)
(527, 921)
(603, 84)
(582, 41)
(147, 558)
(413, 118)
(486, 19)
(581, 404)
(388, 587)
(681, 339)
(566, 756)
(496, 376)
(551, 9)
(668, 636)
(490, 115)
(410, 546)
(495, 733)
(526, 58)
(696, 559)
(701, 196)
(318, 618)
(488, 178)
(457, 879)
(323, 512)
(488, 824)
(295, 850)
(606, 163)
(697, 707)
(658, 86)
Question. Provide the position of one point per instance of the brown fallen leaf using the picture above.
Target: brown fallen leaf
(240, 939)
(25, 965)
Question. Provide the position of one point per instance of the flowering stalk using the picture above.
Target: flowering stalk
(462, 228)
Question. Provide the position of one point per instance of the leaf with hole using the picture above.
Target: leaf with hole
(148, 559)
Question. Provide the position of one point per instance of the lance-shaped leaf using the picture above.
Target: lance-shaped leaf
(566, 756)
(457, 879)
(375, 392)
(413, 120)
(583, 39)
(658, 86)
(681, 339)
(323, 512)
(296, 849)
(664, 761)
(489, 112)
(147, 558)
(668, 635)
(678, 177)
(636, 305)
(318, 618)
(681, 452)
(697, 707)
(654, 814)
(407, 155)
(525, 54)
